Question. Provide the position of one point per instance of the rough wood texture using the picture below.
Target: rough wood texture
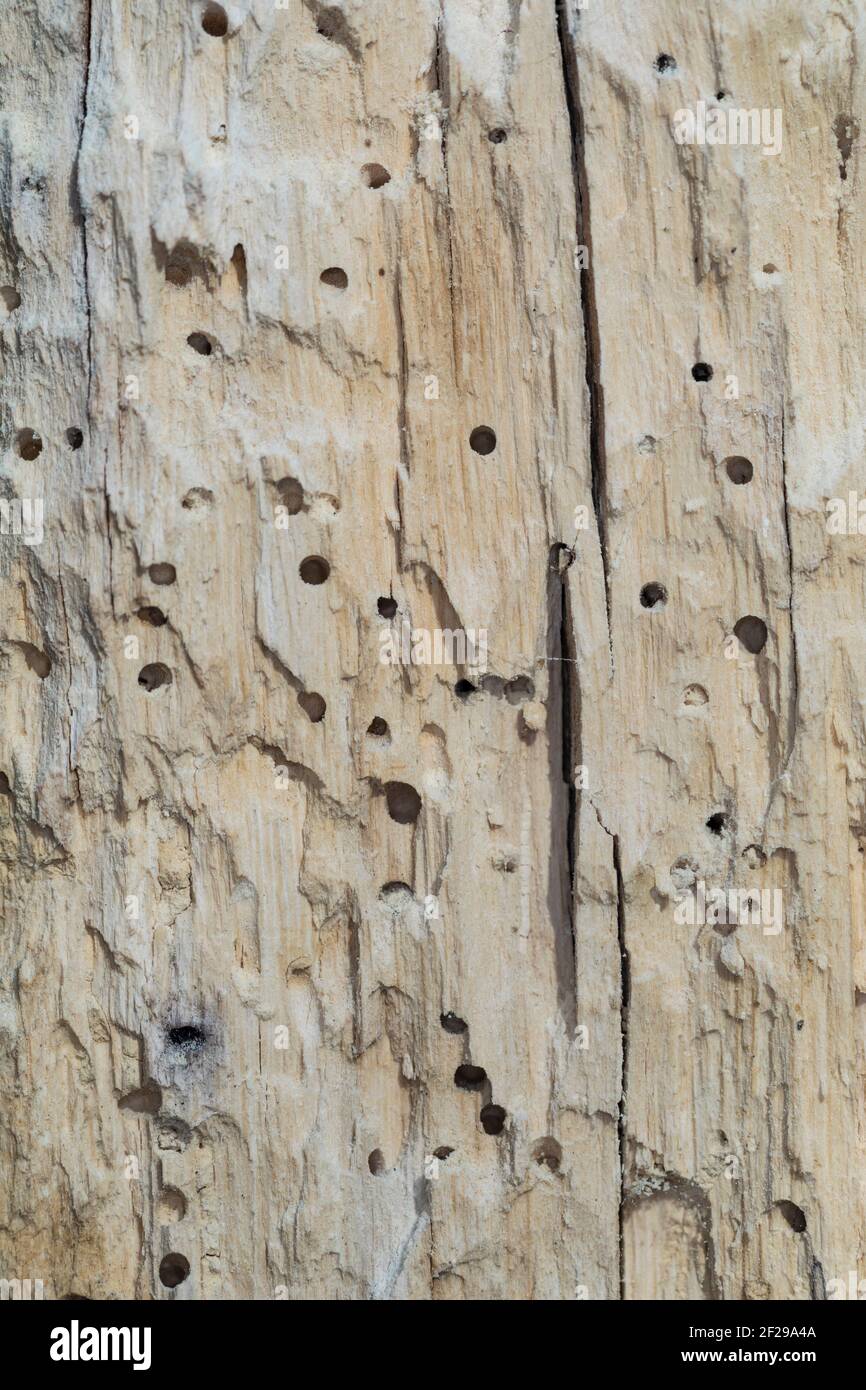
(235, 955)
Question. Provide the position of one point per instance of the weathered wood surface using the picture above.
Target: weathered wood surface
(683, 1102)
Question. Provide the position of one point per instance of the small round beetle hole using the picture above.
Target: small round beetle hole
(314, 569)
(452, 1024)
(74, 438)
(200, 343)
(653, 596)
(482, 440)
(377, 728)
(376, 1162)
(752, 632)
(492, 1119)
(702, 371)
(547, 1153)
(375, 175)
(215, 21)
(335, 277)
(162, 573)
(313, 705)
(154, 616)
(404, 803)
(498, 136)
(470, 1078)
(665, 63)
(739, 469)
(28, 444)
(154, 676)
(387, 608)
(173, 1269)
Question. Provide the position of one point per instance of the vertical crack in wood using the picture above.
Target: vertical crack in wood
(794, 699)
(624, 1001)
(598, 468)
(564, 709)
(589, 309)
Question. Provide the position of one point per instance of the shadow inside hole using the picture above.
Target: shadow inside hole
(404, 803)
(752, 633)
(335, 277)
(163, 573)
(186, 1036)
(469, 1077)
(173, 1270)
(154, 676)
(37, 661)
(547, 1152)
(739, 469)
(313, 705)
(794, 1215)
(452, 1024)
(375, 175)
(314, 569)
(149, 614)
(29, 445)
(291, 495)
(215, 21)
(482, 440)
(492, 1119)
(653, 596)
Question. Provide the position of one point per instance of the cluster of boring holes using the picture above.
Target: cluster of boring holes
(28, 443)
(468, 1077)
(515, 691)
